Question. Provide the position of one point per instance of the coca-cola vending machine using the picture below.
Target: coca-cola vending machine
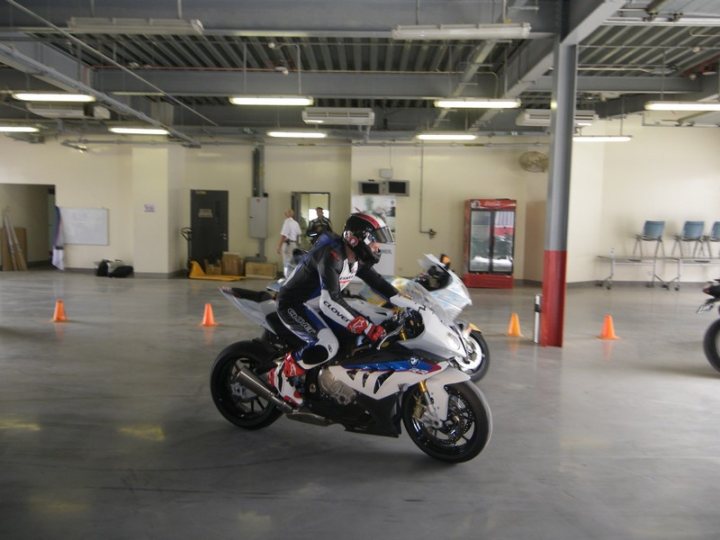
(489, 243)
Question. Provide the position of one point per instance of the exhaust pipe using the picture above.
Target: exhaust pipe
(249, 379)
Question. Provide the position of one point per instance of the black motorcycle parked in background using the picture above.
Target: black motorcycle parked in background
(711, 343)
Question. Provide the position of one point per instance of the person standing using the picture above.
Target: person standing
(319, 225)
(289, 233)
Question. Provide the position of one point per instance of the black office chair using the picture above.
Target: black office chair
(652, 232)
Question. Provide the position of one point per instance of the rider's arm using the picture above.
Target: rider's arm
(378, 284)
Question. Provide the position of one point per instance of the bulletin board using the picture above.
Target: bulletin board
(88, 226)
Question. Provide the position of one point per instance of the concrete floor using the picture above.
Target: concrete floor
(107, 429)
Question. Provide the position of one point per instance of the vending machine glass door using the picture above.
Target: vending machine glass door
(503, 238)
(480, 244)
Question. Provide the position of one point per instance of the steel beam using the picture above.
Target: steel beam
(329, 85)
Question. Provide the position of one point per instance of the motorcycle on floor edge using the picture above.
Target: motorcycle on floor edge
(711, 342)
(409, 377)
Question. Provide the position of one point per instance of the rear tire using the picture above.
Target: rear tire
(464, 434)
(711, 343)
(235, 402)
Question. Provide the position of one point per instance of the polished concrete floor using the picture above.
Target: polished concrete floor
(107, 429)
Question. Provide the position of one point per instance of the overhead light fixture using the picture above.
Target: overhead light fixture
(297, 134)
(446, 137)
(138, 131)
(18, 129)
(339, 116)
(683, 106)
(463, 31)
(602, 138)
(292, 101)
(476, 103)
(116, 25)
(53, 97)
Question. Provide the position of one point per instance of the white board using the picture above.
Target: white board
(87, 226)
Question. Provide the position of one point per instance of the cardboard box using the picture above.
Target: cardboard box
(261, 270)
(212, 269)
(232, 264)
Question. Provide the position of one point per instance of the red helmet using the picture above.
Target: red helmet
(361, 230)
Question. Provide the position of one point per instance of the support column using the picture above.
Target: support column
(156, 181)
(556, 221)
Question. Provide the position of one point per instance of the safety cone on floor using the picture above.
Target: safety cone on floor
(608, 329)
(59, 314)
(514, 326)
(208, 317)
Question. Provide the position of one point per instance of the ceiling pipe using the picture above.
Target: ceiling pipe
(107, 59)
(29, 65)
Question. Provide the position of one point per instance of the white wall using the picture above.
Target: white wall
(96, 179)
(670, 174)
(664, 173)
(451, 175)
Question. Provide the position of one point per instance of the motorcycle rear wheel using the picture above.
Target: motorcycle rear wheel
(235, 402)
(464, 434)
(711, 343)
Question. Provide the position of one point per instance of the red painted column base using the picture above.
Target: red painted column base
(553, 298)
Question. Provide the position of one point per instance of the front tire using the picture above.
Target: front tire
(711, 344)
(235, 402)
(477, 371)
(463, 435)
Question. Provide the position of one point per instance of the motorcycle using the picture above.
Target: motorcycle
(445, 290)
(450, 296)
(366, 388)
(711, 341)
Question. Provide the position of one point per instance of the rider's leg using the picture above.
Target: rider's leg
(321, 346)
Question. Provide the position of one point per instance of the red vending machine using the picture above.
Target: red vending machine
(489, 243)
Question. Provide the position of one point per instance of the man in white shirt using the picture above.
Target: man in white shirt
(288, 239)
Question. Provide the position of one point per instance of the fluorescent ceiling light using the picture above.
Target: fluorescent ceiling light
(297, 101)
(463, 31)
(473, 103)
(602, 138)
(18, 129)
(138, 131)
(446, 137)
(116, 25)
(339, 116)
(297, 134)
(689, 106)
(53, 97)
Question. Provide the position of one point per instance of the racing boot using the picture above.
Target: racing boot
(288, 378)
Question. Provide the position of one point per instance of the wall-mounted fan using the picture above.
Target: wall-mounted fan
(533, 161)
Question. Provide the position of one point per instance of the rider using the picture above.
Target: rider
(316, 284)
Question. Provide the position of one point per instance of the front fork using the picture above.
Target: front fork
(425, 409)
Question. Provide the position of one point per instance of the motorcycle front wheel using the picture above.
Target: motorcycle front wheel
(478, 371)
(235, 402)
(462, 436)
(711, 344)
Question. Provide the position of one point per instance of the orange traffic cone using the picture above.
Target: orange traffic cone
(59, 314)
(608, 329)
(514, 326)
(208, 317)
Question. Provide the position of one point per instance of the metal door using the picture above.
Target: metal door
(209, 225)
